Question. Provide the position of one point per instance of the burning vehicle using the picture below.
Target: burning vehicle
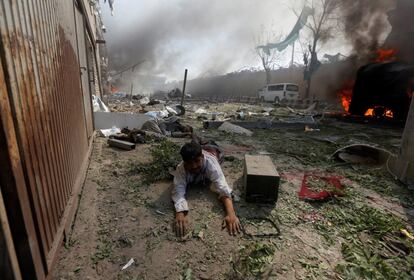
(383, 89)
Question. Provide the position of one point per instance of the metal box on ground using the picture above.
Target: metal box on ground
(261, 179)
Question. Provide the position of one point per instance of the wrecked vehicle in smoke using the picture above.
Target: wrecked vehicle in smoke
(382, 87)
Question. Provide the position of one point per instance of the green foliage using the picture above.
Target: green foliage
(186, 271)
(165, 155)
(364, 262)
(253, 260)
(370, 237)
(353, 218)
(104, 251)
(187, 274)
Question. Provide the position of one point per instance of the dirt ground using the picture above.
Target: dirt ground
(119, 218)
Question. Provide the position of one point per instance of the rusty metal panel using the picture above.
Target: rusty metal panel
(40, 54)
(83, 44)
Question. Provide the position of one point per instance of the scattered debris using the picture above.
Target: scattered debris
(110, 131)
(310, 129)
(311, 217)
(301, 119)
(367, 242)
(253, 260)
(267, 109)
(160, 212)
(157, 114)
(231, 128)
(124, 145)
(241, 115)
(128, 264)
(362, 154)
(180, 110)
(201, 111)
(407, 234)
(187, 274)
(145, 101)
(260, 124)
(136, 136)
(98, 105)
(171, 110)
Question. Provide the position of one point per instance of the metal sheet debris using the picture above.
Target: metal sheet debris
(128, 264)
(98, 105)
(231, 128)
(362, 154)
(107, 120)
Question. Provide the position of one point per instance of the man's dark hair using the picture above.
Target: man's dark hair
(190, 151)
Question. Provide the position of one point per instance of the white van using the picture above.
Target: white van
(279, 92)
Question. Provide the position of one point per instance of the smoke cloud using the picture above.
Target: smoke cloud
(366, 24)
(208, 37)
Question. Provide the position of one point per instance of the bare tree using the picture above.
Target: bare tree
(268, 57)
(323, 21)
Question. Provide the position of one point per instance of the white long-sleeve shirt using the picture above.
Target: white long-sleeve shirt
(211, 171)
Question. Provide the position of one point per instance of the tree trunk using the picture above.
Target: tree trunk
(308, 87)
(268, 77)
(313, 59)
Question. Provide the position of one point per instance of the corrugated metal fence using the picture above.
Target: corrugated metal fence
(45, 123)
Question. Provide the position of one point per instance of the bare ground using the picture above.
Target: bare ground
(119, 218)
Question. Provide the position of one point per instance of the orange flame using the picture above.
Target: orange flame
(386, 55)
(387, 112)
(369, 112)
(345, 103)
(114, 89)
(346, 94)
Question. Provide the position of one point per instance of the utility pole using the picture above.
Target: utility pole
(132, 87)
(184, 84)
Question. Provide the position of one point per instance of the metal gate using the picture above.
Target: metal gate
(45, 123)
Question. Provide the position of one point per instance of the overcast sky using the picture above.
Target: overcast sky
(207, 37)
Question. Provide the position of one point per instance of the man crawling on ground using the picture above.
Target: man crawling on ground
(200, 165)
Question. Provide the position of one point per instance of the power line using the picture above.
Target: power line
(132, 67)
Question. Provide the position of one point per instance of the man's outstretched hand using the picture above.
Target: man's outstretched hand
(181, 224)
(232, 223)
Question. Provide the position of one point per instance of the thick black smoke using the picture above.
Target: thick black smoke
(366, 24)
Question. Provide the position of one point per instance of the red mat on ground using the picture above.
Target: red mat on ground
(307, 194)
